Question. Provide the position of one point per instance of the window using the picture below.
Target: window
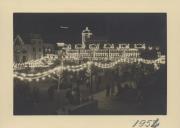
(39, 49)
(33, 42)
(34, 49)
(24, 51)
(24, 59)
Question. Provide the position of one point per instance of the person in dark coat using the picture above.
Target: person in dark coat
(108, 82)
(35, 94)
(51, 91)
(77, 95)
(69, 96)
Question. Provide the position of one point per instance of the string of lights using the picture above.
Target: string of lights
(77, 68)
(36, 63)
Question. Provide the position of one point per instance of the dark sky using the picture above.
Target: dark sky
(128, 27)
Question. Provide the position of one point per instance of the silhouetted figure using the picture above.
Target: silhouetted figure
(76, 95)
(35, 94)
(108, 88)
(112, 90)
(89, 84)
(64, 111)
(23, 103)
(108, 82)
(139, 97)
(51, 91)
(69, 96)
(98, 82)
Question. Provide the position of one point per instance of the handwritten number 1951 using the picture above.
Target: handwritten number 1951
(147, 123)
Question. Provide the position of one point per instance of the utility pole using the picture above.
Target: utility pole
(61, 57)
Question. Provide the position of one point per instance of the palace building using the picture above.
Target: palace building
(107, 52)
(91, 49)
(33, 48)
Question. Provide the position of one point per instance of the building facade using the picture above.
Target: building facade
(30, 47)
(107, 52)
(33, 48)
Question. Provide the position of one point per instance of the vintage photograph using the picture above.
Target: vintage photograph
(89, 64)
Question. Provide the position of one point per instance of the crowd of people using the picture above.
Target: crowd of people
(80, 86)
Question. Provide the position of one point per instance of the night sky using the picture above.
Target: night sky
(127, 27)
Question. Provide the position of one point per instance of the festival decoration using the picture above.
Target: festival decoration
(76, 68)
(45, 61)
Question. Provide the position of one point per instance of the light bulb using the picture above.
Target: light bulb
(29, 79)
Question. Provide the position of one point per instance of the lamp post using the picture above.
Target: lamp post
(61, 57)
(89, 71)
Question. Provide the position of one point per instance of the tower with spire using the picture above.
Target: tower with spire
(86, 36)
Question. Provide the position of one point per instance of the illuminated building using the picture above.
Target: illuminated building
(30, 47)
(88, 50)
(107, 52)
(48, 48)
(86, 36)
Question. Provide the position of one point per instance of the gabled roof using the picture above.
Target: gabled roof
(18, 40)
(26, 38)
